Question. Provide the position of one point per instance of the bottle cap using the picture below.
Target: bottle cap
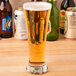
(70, 8)
(20, 8)
(19, 11)
(74, 9)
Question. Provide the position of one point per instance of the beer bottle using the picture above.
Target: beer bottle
(6, 19)
(53, 26)
(64, 5)
(0, 19)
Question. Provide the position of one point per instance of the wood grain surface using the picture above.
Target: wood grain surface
(60, 57)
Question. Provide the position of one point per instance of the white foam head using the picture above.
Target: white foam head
(37, 6)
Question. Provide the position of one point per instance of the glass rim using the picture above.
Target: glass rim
(46, 5)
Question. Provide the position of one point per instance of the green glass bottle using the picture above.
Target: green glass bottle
(53, 23)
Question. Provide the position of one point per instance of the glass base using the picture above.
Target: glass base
(37, 68)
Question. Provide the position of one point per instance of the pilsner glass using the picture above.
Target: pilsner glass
(37, 17)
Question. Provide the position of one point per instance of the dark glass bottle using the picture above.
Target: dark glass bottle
(53, 22)
(0, 18)
(6, 19)
(64, 5)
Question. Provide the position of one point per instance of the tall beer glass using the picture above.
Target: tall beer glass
(37, 17)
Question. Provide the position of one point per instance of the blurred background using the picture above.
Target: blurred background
(17, 3)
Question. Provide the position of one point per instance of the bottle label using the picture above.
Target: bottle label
(7, 23)
(70, 25)
(49, 27)
(62, 19)
(20, 26)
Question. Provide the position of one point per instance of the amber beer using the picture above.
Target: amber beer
(37, 27)
(37, 17)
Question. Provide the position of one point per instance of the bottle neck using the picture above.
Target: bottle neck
(36, 0)
(53, 2)
(5, 0)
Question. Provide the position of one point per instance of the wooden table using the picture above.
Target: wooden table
(60, 57)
